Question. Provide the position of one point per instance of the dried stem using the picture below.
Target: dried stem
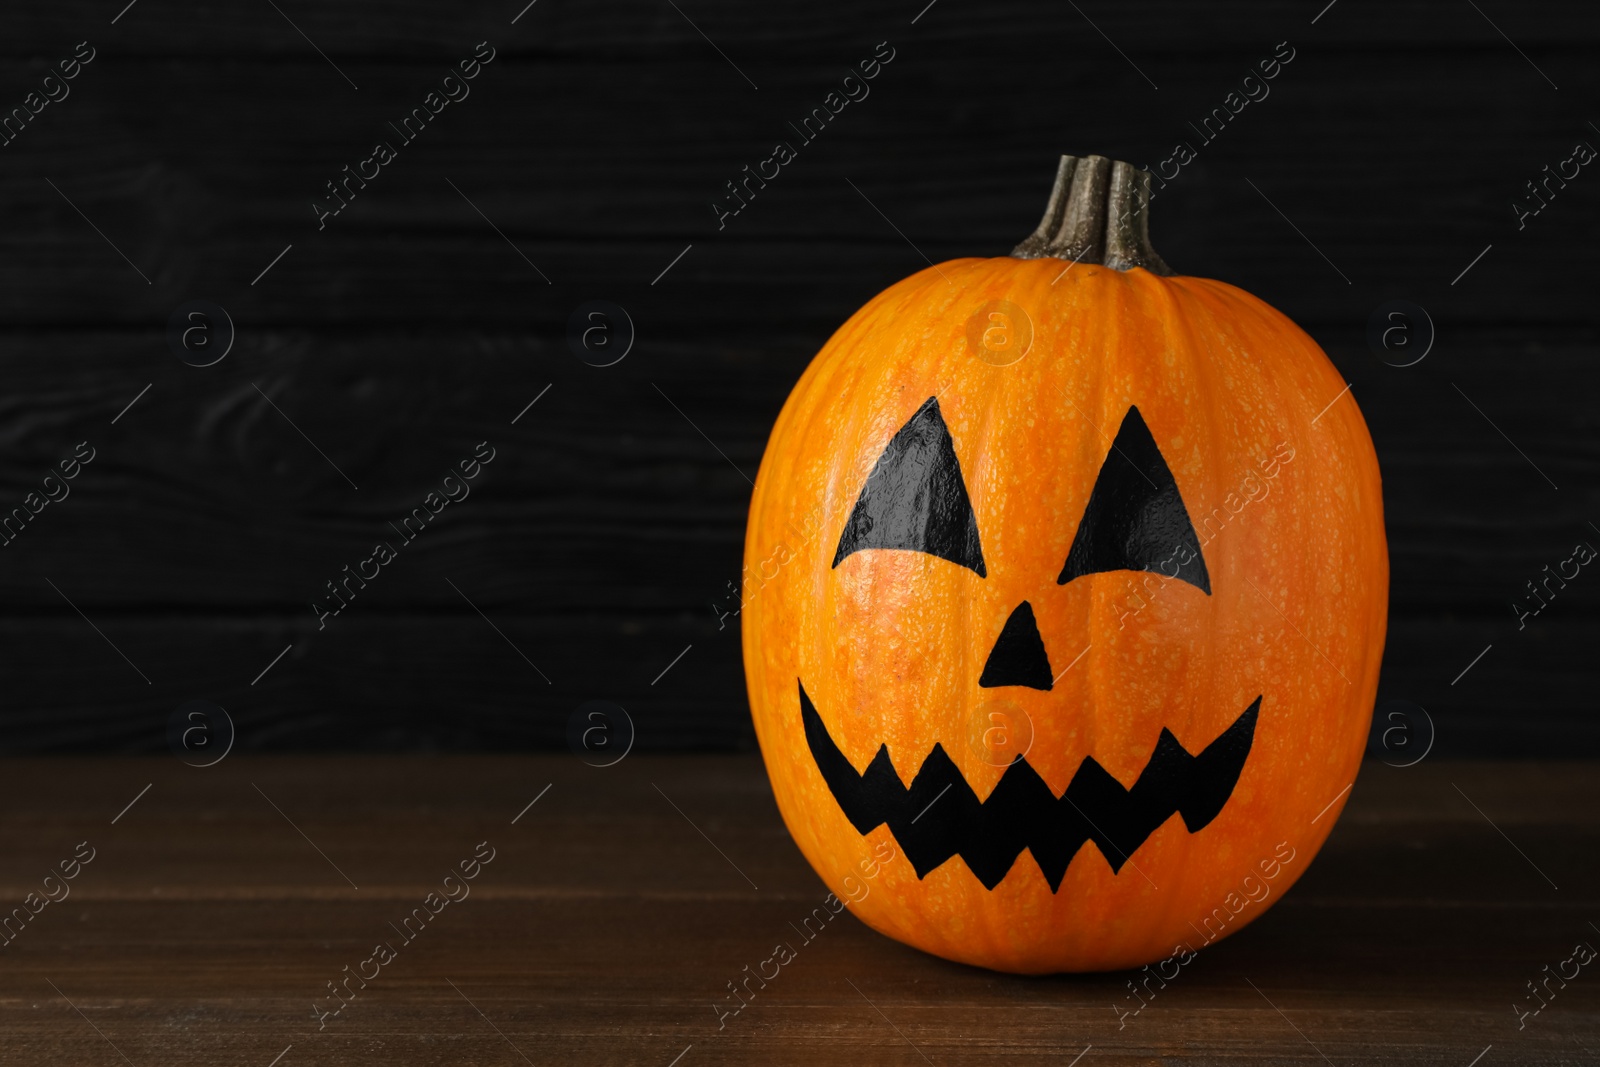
(1099, 212)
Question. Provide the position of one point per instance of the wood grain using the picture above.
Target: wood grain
(600, 538)
(606, 926)
(605, 493)
(448, 679)
(415, 325)
(639, 27)
(602, 172)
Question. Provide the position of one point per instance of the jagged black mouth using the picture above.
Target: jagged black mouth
(940, 816)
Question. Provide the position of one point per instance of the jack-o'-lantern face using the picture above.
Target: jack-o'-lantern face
(1085, 638)
(916, 500)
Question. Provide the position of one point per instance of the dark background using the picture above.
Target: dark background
(607, 527)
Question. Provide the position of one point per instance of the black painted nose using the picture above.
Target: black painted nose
(1018, 657)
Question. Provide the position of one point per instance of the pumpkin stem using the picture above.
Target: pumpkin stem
(1099, 212)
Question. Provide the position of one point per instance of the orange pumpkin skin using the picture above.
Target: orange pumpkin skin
(889, 644)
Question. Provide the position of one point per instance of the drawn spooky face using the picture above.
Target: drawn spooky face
(916, 500)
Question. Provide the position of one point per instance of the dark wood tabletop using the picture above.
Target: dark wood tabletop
(210, 910)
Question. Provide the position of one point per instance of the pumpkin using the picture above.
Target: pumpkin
(1065, 599)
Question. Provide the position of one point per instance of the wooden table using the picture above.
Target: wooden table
(218, 907)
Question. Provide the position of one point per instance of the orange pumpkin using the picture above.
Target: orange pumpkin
(1065, 599)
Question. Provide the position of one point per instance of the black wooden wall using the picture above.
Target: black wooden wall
(373, 356)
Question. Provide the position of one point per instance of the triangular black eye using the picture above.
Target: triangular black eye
(1135, 519)
(915, 498)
